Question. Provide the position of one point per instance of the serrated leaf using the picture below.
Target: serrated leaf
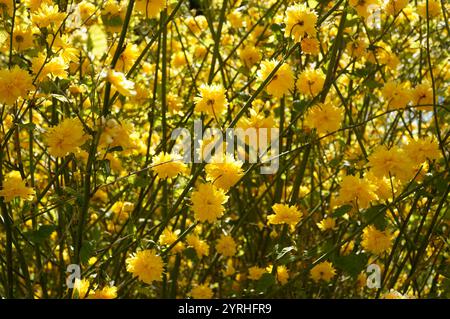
(60, 98)
(276, 27)
(341, 211)
(372, 84)
(190, 253)
(98, 40)
(376, 215)
(284, 256)
(300, 105)
(40, 235)
(3, 37)
(141, 181)
(28, 126)
(115, 149)
(352, 264)
(86, 252)
(265, 282)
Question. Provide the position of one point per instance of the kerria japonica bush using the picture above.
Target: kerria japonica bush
(224, 149)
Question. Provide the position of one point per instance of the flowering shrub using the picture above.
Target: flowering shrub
(91, 92)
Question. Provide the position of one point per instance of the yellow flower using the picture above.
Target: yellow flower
(257, 121)
(226, 246)
(22, 38)
(150, 8)
(174, 103)
(122, 210)
(87, 11)
(393, 7)
(120, 83)
(300, 21)
(376, 241)
(323, 271)
(384, 188)
(14, 186)
(434, 9)
(356, 191)
(168, 165)
(201, 247)
(116, 134)
(48, 15)
(310, 46)
(235, 19)
(33, 5)
(310, 82)
(65, 138)
(80, 288)
(179, 60)
(196, 24)
(127, 58)
(224, 172)
(326, 223)
(229, 269)
(282, 81)
(357, 48)
(422, 94)
(6, 7)
(105, 293)
(285, 214)
(200, 51)
(422, 149)
(207, 203)
(202, 292)
(146, 265)
(364, 7)
(396, 95)
(168, 237)
(249, 55)
(282, 274)
(14, 83)
(324, 117)
(113, 15)
(347, 248)
(55, 67)
(255, 272)
(212, 100)
(391, 162)
(393, 294)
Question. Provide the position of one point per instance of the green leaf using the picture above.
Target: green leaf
(284, 251)
(27, 126)
(341, 211)
(444, 271)
(352, 264)
(300, 105)
(40, 235)
(47, 87)
(60, 98)
(276, 27)
(376, 215)
(372, 84)
(361, 72)
(86, 251)
(284, 256)
(265, 282)
(114, 21)
(3, 37)
(98, 40)
(115, 149)
(191, 254)
(141, 181)
(351, 22)
(105, 166)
